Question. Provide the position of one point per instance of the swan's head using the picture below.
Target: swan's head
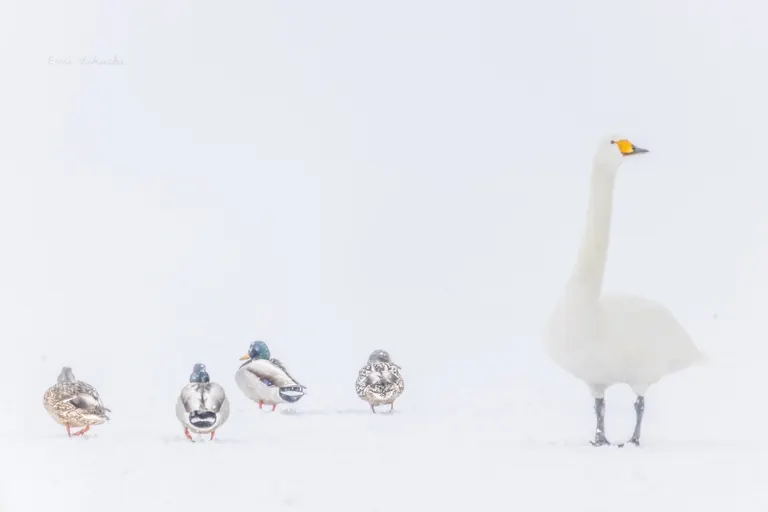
(612, 151)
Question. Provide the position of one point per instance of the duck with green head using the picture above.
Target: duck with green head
(202, 406)
(265, 379)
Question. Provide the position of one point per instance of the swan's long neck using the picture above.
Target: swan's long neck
(587, 278)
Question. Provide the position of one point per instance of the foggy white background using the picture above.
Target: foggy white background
(338, 176)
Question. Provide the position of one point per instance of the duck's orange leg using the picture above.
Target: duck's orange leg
(213, 433)
(188, 435)
(81, 432)
(69, 432)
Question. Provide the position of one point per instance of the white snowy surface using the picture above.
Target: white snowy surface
(336, 177)
(508, 452)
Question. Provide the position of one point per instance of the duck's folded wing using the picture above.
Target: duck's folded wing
(391, 374)
(190, 399)
(364, 379)
(85, 401)
(260, 373)
(213, 397)
(89, 392)
(252, 381)
(282, 367)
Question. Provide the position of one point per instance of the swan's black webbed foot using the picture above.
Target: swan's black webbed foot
(600, 440)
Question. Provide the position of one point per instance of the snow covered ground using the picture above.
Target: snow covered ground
(335, 177)
(502, 443)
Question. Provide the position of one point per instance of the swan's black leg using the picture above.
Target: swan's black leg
(600, 439)
(639, 410)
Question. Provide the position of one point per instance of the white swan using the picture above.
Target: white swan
(605, 339)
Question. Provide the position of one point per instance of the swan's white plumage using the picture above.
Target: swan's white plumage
(605, 339)
(623, 339)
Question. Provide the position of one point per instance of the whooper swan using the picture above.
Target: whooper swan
(606, 339)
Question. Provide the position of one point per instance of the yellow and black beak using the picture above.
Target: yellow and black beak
(628, 149)
(245, 357)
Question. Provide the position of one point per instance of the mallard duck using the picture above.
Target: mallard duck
(265, 379)
(379, 382)
(74, 403)
(202, 406)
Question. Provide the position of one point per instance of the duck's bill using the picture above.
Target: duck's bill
(246, 356)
